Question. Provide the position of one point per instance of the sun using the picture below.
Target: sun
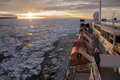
(30, 15)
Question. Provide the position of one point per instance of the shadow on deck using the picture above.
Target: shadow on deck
(109, 74)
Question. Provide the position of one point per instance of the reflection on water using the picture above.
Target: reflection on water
(31, 26)
(28, 44)
(52, 25)
(22, 38)
(29, 33)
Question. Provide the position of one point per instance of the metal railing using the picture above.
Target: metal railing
(74, 71)
(117, 48)
(94, 74)
(95, 71)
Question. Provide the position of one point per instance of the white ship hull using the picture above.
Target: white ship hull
(104, 46)
(108, 38)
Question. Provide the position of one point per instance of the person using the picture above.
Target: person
(82, 25)
(90, 30)
(87, 25)
(97, 58)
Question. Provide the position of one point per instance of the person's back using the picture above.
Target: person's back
(87, 25)
(97, 58)
(90, 30)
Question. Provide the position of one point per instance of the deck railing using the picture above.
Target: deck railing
(94, 74)
(117, 48)
(66, 77)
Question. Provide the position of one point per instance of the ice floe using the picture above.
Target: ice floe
(27, 42)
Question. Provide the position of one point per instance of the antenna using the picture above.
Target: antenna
(100, 12)
(114, 14)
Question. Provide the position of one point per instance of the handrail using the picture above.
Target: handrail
(95, 70)
(67, 70)
(85, 54)
(94, 66)
(66, 73)
(117, 48)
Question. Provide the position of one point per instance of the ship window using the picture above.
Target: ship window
(111, 38)
(102, 33)
(117, 44)
(108, 36)
(97, 27)
(111, 35)
(111, 41)
(117, 40)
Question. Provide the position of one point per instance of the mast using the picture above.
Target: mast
(100, 12)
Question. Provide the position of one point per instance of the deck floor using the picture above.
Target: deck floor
(106, 73)
(109, 74)
(75, 74)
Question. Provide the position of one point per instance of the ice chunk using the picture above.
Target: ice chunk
(51, 56)
(31, 63)
(54, 60)
(48, 44)
(35, 60)
(38, 67)
(27, 65)
(37, 54)
(48, 49)
(6, 54)
(3, 48)
(34, 72)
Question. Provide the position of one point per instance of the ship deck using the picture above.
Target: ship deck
(105, 72)
(109, 74)
(109, 26)
(82, 74)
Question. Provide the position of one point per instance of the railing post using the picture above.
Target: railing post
(94, 66)
(95, 70)
(91, 74)
(66, 73)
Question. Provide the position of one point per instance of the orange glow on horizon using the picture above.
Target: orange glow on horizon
(49, 14)
(29, 15)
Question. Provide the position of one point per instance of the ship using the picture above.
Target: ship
(108, 34)
(109, 37)
(9, 17)
(83, 64)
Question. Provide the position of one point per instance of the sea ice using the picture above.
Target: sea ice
(48, 49)
(54, 60)
(41, 33)
(37, 54)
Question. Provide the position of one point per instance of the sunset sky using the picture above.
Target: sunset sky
(58, 8)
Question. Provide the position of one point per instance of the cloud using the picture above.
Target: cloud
(5, 0)
(23, 5)
(7, 15)
(71, 6)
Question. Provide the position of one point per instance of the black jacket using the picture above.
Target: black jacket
(97, 57)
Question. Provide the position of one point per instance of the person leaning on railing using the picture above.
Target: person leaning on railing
(96, 55)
